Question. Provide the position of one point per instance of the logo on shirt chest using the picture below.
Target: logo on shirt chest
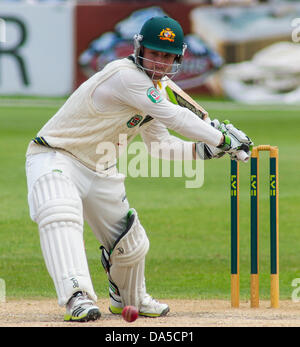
(134, 121)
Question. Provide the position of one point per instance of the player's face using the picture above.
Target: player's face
(156, 63)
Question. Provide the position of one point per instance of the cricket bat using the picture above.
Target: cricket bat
(178, 96)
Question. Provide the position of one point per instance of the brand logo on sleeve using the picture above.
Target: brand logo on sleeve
(154, 95)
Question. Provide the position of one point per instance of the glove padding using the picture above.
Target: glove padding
(236, 143)
(205, 151)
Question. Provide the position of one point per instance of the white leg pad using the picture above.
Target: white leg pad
(58, 213)
(127, 263)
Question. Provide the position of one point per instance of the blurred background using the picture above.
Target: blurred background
(244, 50)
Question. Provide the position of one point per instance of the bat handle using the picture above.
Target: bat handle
(242, 156)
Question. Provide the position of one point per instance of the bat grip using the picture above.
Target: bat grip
(243, 156)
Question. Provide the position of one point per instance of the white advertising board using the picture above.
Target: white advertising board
(36, 49)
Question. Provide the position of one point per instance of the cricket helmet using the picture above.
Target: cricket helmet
(162, 34)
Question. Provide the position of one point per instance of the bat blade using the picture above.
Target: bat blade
(180, 97)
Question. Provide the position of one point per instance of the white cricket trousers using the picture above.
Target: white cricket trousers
(62, 193)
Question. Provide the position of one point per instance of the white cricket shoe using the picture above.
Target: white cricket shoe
(148, 308)
(152, 308)
(81, 309)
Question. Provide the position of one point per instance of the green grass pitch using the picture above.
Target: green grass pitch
(189, 229)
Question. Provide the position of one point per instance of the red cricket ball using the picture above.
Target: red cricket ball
(130, 313)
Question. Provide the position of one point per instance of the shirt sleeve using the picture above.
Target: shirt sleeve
(136, 89)
(161, 144)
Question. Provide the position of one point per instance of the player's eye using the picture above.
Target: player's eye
(155, 54)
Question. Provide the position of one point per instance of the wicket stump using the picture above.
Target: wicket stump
(274, 231)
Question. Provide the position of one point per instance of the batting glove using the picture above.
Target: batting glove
(236, 143)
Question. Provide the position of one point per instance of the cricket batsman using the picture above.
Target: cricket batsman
(71, 179)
